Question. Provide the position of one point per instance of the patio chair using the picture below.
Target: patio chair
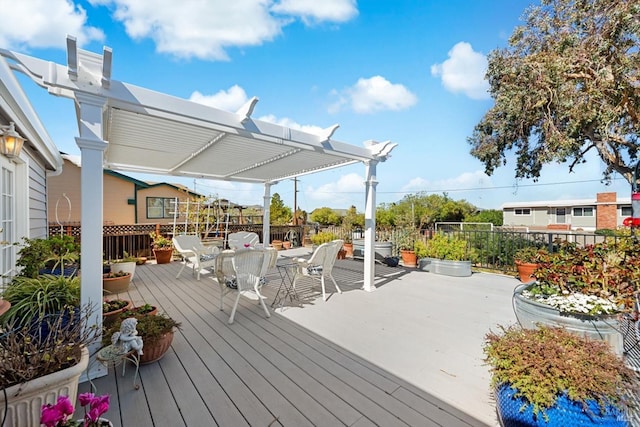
(192, 250)
(241, 238)
(320, 265)
(241, 272)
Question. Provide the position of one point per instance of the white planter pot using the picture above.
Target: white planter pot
(605, 327)
(25, 401)
(126, 267)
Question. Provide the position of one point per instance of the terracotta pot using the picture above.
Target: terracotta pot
(114, 285)
(409, 258)
(341, 254)
(277, 244)
(109, 317)
(155, 351)
(286, 244)
(163, 255)
(525, 271)
(349, 248)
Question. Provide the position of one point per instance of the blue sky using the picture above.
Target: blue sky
(409, 71)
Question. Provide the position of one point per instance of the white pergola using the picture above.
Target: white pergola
(129, 128)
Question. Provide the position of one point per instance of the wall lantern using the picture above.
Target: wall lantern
(10, 141)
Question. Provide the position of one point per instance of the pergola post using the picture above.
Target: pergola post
(370, 226)
(266, 215)
(92, 149)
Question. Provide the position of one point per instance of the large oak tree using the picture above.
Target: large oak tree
(568, 83)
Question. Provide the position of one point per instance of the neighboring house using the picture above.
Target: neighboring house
(606, 211)
(126, 200)
(23, 180)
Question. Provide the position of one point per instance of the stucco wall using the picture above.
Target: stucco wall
(161, 190)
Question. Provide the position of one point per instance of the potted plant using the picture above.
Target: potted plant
(405, 241)
(60, 413)
(112, 308)
(549, 376)
(144, 309)
(584, 289)
(420, 248)
(116, 282)
(126, 264)
(450, 255)
(526, 260)
(38, 370)
(156, 333)
(54, 255)
(38, 297)
(162, 248)
(323, 237)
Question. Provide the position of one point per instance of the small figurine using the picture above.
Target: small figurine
(127, 339)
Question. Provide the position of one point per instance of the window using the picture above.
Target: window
(583, 211)
(525, 211)
(626, 211)
(160, 207)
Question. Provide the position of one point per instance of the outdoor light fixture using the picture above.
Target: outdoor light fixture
(10, 141)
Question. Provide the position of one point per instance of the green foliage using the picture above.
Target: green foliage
(530, 255)
(422, 211)
(112, 305)
(53, 252)
(36, 297)
(159, 241)
(545, 362)
(567, 84)
(603, 270)
(279, 214)
(323, 237)
(405, 238)
(494, 216)
(325, 216)
(125, 258)
(454, 248)
(420, 248)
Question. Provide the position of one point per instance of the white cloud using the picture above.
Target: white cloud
(317, 11)
(44, 24)
(465, 181)
(316, 130)
(464, 72)
(337, 194)
(206, 29)
(229, 100)
(372, 95)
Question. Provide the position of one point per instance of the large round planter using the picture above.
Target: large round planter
(530, 313)
(382, 250)
(25, 400)
(424, 264)
(113, 285)
(163, 256)
(451, 268)
(155, 351)
(110, 316)
(525, 271)
(409, 258)
(564, 413)
(126, 267)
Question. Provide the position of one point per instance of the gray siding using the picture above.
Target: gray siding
(37, 198)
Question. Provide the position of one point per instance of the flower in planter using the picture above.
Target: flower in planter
(606, 273)
(58, 415)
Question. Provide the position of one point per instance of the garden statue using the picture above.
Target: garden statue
(127, 339)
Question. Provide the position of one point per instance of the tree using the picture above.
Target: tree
(493, 216)
(325, 216)
(279, 214)
(567, 84)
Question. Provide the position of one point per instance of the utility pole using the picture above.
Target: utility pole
(295, 200)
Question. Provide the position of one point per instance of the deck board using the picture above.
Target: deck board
(258, 371)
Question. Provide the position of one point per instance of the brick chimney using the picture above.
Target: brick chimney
(606, 211)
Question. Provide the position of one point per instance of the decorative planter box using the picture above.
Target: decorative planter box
(450, 268)
(605, 327)
(25, 400)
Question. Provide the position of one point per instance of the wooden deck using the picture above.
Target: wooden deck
(258, 371)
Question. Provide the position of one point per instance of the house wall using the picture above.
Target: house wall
(608, 212)
(37, 202)
(161, 190)
(116, 193)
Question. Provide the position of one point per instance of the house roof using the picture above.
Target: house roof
(561, 203)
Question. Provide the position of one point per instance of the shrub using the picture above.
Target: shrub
(323, 237)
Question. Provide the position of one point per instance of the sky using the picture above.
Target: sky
(408, 71)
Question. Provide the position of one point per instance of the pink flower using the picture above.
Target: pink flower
(51, 415)
(56, 415)
(64, 405)
(246, 245)
(85, 398)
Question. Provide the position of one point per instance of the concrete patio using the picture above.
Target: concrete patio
(409, 353)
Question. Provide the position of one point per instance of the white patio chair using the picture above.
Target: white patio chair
(320, 265)
(192, 250)
(241, 238)
(241, 272)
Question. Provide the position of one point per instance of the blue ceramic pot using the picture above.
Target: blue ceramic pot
(563, 414)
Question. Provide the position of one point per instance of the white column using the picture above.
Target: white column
(92, 148)
(266, 216)
(370, 226)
